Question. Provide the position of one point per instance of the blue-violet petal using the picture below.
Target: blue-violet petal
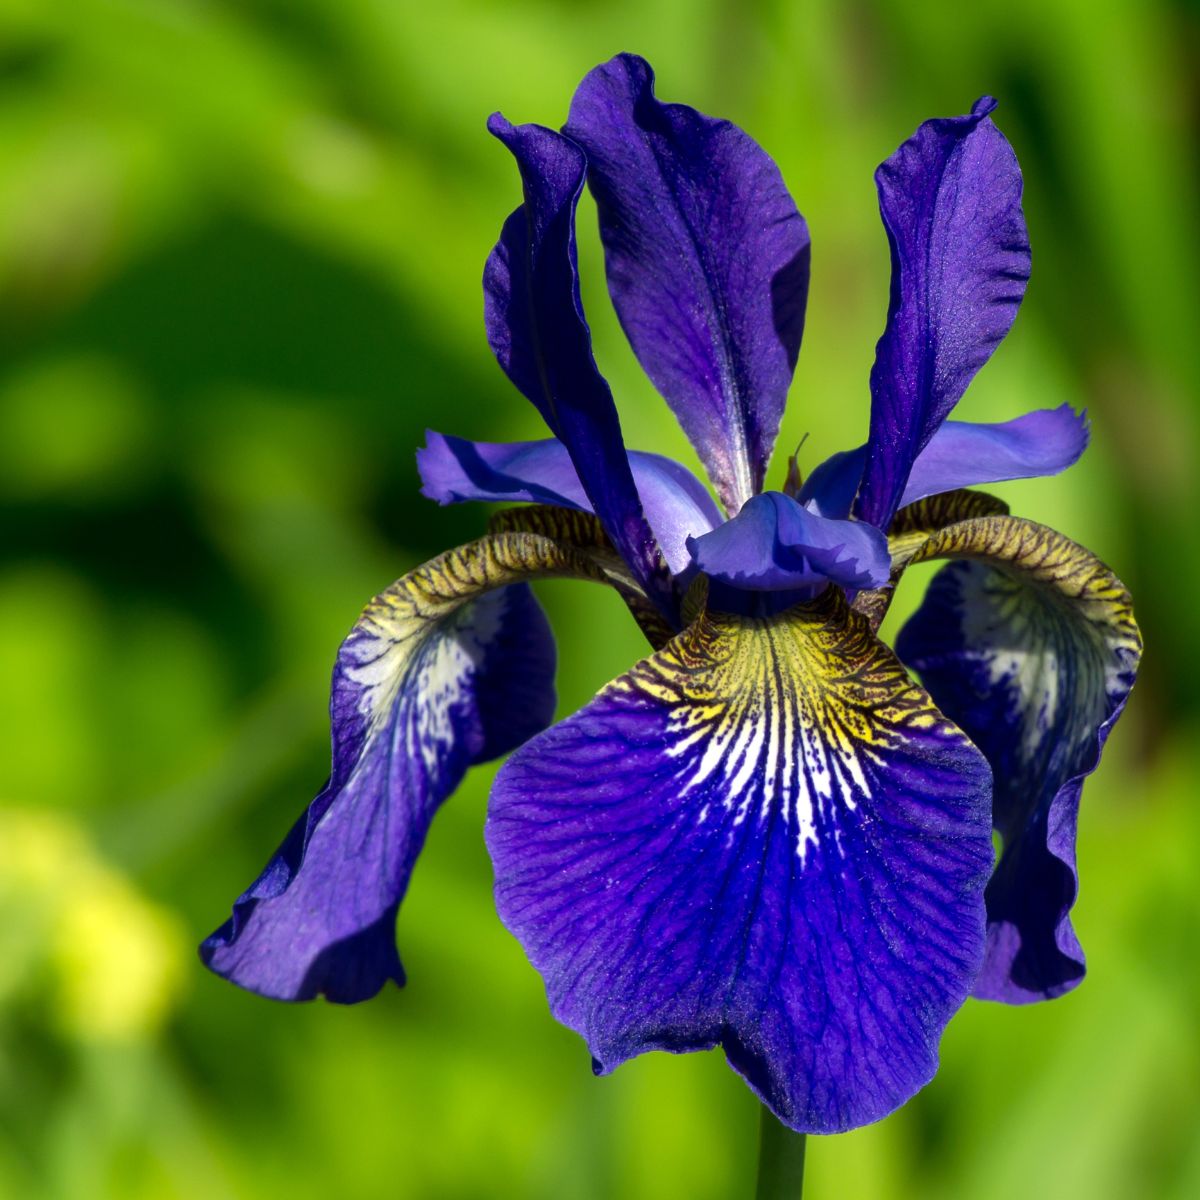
(676, 503)
(950, 198)
(707, 262)
(961, 454)
(537, 331)
(765, 837)
(775, 544)
(417, 697)
(1032, 649)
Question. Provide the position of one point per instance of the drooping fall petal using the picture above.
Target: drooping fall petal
(450, 666)
(764, 836)
(1030, 645)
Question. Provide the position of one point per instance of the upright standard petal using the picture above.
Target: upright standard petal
(439, 672)
(950, 199)
(961, 454)
(774, 544)
(764, 836)
(537, 330)
(1031, 646)
(707, 264)
(676, 503)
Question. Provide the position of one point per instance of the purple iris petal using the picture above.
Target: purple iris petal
(320, 919)
(676, 503)
(962, 454)
(765, 837)
(537, 330)
(707, 264)
(1036, 681)
(950, 198)
(775, 544)
(833, 484)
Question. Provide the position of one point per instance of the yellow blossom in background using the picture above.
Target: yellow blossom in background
(109, 963)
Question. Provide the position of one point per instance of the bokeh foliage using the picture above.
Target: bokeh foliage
(240, 247)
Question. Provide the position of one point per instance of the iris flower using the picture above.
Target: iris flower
(765, 835)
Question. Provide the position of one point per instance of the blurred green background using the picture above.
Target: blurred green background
(240, 249)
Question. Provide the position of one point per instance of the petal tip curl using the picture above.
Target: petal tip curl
(499, 126)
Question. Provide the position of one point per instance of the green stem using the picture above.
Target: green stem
(780, 1160)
